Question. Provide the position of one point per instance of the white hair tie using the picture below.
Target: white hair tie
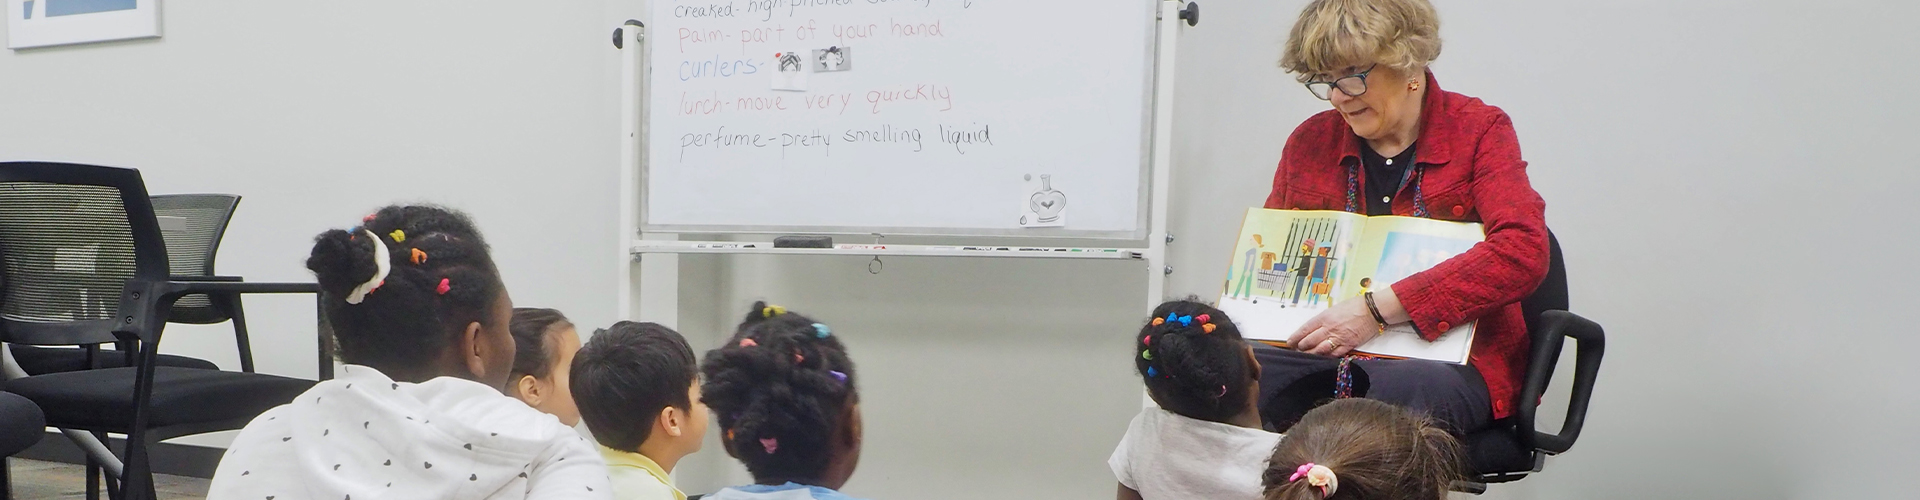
(380, 268)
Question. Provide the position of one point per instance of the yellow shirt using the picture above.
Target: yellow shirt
(636, 477)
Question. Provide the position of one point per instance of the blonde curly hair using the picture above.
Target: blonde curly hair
(1330, 34)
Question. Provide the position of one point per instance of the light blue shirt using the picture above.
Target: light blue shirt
(789, 491)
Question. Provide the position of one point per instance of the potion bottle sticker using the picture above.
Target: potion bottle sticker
(1041, 205)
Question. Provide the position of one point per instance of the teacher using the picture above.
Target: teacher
(1396, 144)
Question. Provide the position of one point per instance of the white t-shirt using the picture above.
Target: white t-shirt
(364, 436)
(1168, 456)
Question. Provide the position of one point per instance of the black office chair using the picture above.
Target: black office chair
(85, 263)
(1515, 447)
(192, 225)
(21, 425)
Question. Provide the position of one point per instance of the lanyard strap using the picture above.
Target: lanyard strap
(1412, 175)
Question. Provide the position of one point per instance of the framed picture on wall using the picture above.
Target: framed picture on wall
(42, 23)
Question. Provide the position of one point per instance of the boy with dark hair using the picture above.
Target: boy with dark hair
(637, 388)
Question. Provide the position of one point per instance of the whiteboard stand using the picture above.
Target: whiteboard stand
(657, 277)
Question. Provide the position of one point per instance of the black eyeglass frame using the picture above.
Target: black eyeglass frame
(1335, 84)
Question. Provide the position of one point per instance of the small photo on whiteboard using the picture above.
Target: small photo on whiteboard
(831, 59)
(1040, 204)
(45, 23)
(791, 74)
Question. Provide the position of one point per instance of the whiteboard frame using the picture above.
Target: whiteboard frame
(649, 288)
(1142, 196)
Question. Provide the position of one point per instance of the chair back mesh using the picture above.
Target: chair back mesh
(192, 225)
(68, 252)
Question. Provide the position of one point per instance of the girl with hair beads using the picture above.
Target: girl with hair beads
(421, 319)
(1204, 440)
(784, 391)
(1361, 449)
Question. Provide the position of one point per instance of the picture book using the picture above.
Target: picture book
(1290, 265)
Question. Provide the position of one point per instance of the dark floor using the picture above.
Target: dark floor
(36, 480)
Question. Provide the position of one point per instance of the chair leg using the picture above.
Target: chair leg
(239, 318)
(93, 480)
(6, 478)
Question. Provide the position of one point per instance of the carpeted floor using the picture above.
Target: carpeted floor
(36, 480)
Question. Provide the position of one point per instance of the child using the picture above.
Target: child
(786, 395)
(420, 316)
(636, 384)
(544, 346)
(1362, 449)
(1204, 440)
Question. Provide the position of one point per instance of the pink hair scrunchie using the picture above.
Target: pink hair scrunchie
(1318, 476)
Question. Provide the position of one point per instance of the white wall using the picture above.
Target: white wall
(1727, 177)
(319, 112)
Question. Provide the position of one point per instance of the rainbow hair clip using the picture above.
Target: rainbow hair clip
(771, 311)
(1152, 372)
(837, 375)
(748, 343)
(820, 330)
(1183, 320)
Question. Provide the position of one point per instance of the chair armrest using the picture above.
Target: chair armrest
(178, 277)
(144, 304)
(224, 286)
(1589, 346)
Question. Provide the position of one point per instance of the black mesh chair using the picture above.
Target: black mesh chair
(85, 263)
(1515, 447)
(192, 225)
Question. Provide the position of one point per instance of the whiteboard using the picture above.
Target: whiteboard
(956, 117)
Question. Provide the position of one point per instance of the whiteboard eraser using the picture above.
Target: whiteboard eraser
(803, 242)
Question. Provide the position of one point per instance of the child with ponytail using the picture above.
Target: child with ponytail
(786, 396)
(421, 320)
(1204, 440)
(1361, 449)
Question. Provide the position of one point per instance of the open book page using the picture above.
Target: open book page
(1286, 267)
(1301, 262)
(1393, 248)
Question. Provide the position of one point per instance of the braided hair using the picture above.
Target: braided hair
(1194, 362)
(782, 388)
(441, 278)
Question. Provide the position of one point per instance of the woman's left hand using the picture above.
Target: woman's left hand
(1337, 330)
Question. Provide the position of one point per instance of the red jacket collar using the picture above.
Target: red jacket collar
(1434, 145)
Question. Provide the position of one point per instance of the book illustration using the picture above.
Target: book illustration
(1274, 287)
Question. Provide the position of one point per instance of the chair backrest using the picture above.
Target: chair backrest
(1551, 295)
(71, 236)
(193, 224)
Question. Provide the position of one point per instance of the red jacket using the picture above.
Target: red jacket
(1473, 173)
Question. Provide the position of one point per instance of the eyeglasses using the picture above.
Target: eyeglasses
(1352, 85)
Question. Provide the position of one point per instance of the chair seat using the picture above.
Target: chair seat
(37, 360)
(1497, 450)
(21, 424)
(102, 400)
